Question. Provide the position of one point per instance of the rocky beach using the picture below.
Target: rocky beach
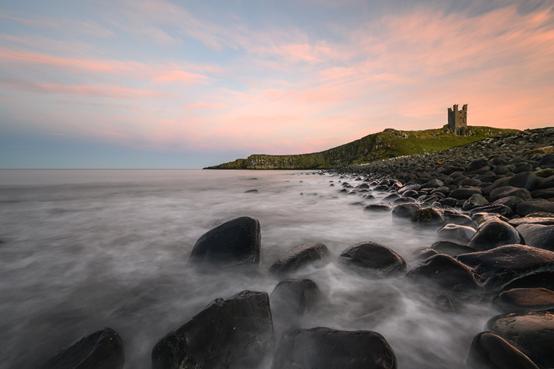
(491, 206)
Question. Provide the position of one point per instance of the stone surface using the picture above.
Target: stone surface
(234, 242)
(290, 300)
(236, 333)
(447, 273)
(100, 350)
(451, 248)
(525, 299)
(538, 235)
(300, 257)
(375, 258)
(490, 351)
(532, 333)
(324, 348)
(494, 233)
(456, 232)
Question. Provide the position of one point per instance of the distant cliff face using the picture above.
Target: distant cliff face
(387, 144)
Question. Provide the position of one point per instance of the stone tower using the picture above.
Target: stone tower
(457, 120)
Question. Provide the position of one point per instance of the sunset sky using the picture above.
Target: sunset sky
(184, 84)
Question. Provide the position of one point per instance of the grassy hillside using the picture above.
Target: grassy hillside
(387, 144)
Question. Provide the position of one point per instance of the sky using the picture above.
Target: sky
(185, 84)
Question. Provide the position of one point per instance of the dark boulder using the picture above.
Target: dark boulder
(455, 232)
(500, 265)
(234, 242)
(374, 257)
(535, 206)
(538, 279)
(547, 193)
(464, 193)
(447, 273)
(527, 180)
(405, 210)
(525, 299)
(233, 333)
(100, 350)
(499, 209)
(477, 164)
(377, 207)
(494, 233)
(290, 299)
(475, 201)
(325, 348)
(450, 248)
(532, 333)
(429, 216)
(301, 256)
(544, 220)
(538, 235)
(505, 191)
(490, 351)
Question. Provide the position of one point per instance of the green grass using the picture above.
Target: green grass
(387, 144)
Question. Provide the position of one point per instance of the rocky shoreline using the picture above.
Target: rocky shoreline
(492, 203)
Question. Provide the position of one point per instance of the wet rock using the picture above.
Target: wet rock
(506, 191)
(233, 333)
(451, 248)
(477, 164)
(234, 242)
(509, 201)
(475, 201)
(430, 216)
(465, 193)
(538, 279)
(377, 207)
(480, 218)
(375, 258)
(535, 206)
(544, 220)
(290, 299)
(251, 191)
(300, 257)
(100, 350)
(532, 333)
(433, 183)
(490, 351)
(405, 210)
(547, 193)
(455, 217)
(456, 232)
(499, 209)
(538, 235)
(494, 233)
(500, 265)
(447, 273)
(325, 348)
(527, 180)
(525, 299)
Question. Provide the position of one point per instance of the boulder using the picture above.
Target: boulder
(300, 257)
(377, 207)
(464, 193)
(233, 333)
(500, 265)
(456, 232)
(429, 216)
(450, 248)
(234, 242)
(547, 193)
(494, 233)
(405, 210)
(375, 258)
(290, 299)
(544, 220)
(100, 350)
(490, 351)
(532, 333)
(475, 201)
(527, 180)
(525, 299)
(537, 279)
(447, 273)
(498, 209)
(505, 191)
(538, 235)
(535, 206)
(325, 348)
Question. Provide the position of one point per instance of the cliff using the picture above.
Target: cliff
(387, 144)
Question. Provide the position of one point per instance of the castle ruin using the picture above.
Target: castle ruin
(457, 120)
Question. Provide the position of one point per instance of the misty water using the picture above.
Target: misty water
(83, 250)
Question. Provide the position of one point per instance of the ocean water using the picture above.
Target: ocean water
(85, 249)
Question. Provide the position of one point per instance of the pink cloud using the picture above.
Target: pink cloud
(88, 90)
(176, 75)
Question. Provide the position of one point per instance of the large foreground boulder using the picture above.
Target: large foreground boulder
(229, 334)
(100, 350)
(493, 233)
(234, 242)
(538, 235)
(500, 265)
(532, 333)
(301, 256)
(325, 348)
(525, 299)
(490, 351)
(447, 273)
(375, 258)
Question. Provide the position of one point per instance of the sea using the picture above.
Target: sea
(81, 250)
